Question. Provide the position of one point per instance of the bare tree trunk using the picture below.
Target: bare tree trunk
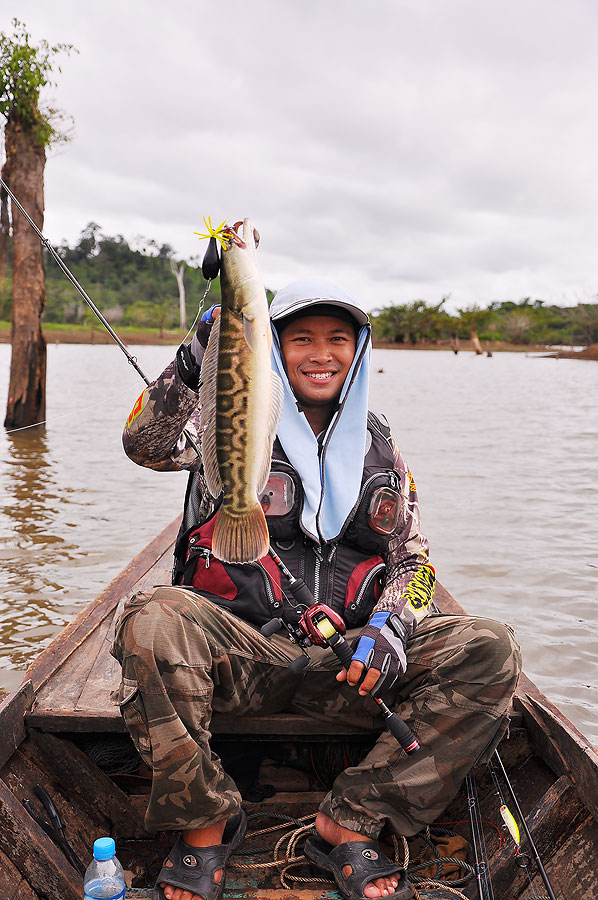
(4, 220)
(178, 270)
(476, 342)
(27, 388)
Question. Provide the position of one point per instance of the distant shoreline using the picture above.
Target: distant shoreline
(56, 334)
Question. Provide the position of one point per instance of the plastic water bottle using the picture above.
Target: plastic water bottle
(104, 878)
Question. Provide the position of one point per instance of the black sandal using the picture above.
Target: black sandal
(193, 868)
(367, 864)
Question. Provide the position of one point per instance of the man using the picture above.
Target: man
(343, 514)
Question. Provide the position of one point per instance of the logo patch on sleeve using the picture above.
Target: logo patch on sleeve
(420, 590)
(136, 408)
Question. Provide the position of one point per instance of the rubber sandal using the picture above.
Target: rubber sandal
(193, 868)
(367, 864)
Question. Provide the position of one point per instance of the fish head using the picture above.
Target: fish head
(244, 235)
(242, 287)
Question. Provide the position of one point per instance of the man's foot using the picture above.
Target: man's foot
(198, 837)
(335, 834)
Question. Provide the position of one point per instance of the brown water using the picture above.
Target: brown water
(504, 452)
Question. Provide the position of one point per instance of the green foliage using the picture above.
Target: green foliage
(130, 287)
(524, 322)
(24, 70)
(136, 288)
(413, 322)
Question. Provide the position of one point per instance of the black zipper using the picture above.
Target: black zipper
(274, 603)
(369, 577)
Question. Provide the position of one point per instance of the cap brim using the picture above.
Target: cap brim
(360, 317)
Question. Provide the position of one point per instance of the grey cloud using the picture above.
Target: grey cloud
(405, 149)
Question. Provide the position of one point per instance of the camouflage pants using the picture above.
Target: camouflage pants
(182, 657)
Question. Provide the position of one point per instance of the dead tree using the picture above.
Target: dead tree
(178, 270)
(24, 70)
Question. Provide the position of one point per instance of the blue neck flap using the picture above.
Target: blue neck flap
(330, 470)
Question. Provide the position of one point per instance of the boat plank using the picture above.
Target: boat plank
(33, 853)
(61, 692)
(148, 567)
(86, 784)
(12, 720)
(12, 883)
(573, 873)
(562, 748)
(558, 812)
(21, 775)
(76, 697)
(104, 675)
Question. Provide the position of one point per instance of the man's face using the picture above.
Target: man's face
(318, 352)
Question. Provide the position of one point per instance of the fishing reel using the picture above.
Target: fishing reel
(319, 625)
(322, 626)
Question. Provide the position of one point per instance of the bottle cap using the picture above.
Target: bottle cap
(104, 848)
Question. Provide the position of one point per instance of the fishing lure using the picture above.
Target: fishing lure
(510, 823)
(211, 261)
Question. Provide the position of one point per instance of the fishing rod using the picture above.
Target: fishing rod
(46, 243)
(75, 283)
(528, 834)
(324, 627)
(480, 857)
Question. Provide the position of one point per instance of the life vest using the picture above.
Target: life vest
(346, 573)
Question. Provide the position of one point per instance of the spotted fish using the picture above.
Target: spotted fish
(241, 402)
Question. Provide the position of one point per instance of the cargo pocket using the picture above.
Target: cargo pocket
(132, 710)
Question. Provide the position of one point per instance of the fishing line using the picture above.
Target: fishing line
(484, 885)
(511, 826)
(75, 412)
(528, 834)
(62, 265)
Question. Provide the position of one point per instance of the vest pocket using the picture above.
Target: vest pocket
(363, 590)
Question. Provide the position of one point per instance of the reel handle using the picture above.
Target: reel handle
(271, 627)
(298, 664)
(339, 645)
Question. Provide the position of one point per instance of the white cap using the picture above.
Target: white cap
(310, 291)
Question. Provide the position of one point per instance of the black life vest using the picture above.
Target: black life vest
(346, 573)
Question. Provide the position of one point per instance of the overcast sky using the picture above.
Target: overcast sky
(403, 149)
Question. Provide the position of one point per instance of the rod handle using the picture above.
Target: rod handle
(399, 729)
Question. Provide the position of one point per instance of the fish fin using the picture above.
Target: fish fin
(273, 420)
(240, 538)
(207, 399)
(248, 329)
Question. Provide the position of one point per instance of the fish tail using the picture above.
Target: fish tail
(240, 537)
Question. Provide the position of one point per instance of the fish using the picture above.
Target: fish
(241, 401)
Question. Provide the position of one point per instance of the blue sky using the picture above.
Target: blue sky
(403, 149)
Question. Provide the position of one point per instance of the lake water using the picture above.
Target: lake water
(504, 452)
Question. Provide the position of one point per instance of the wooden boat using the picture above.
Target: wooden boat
(62, 709)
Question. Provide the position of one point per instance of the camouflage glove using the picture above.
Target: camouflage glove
(381, 645)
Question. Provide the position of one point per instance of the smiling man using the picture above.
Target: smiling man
(343, 514)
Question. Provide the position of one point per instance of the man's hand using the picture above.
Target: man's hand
(380, 653)
(210, 314)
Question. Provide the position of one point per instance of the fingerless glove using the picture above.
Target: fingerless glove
(381, 645)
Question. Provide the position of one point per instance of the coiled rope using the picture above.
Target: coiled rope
(286, 856)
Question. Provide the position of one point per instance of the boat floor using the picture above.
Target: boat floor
(46, 730)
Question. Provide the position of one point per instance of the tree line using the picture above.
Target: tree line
(524, 321)
(137, 286)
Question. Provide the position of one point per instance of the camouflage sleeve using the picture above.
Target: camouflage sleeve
(164, 424)
(409, 576)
